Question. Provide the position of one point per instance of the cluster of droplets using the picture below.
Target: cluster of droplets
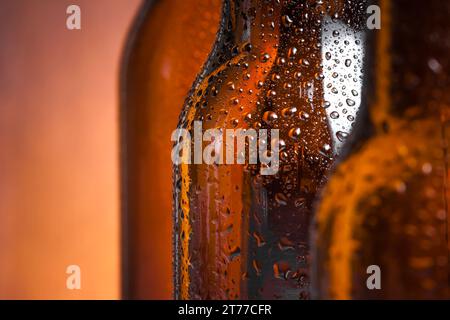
(343, 54)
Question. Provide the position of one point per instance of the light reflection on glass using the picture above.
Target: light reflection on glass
(342, 57)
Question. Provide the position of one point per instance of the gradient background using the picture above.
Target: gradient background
(59, 192)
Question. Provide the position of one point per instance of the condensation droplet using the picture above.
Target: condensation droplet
(350, 102)
(281, 199)
(341, 135)
(334, 115)
(269, 117)
(294, 133)
(287, 21)
(288, 112)
(264, 57)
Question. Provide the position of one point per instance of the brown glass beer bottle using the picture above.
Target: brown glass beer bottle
(167, 46)
(285, 77)
(382, 223)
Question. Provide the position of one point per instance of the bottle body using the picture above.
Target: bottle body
(169, 43)
(241, 228)
(383, 214)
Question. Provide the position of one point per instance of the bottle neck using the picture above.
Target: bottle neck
(410, 71)
(264, 23)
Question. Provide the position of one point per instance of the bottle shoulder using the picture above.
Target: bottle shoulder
(224, 91)
(405, 163)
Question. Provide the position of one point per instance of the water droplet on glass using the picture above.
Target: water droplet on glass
(305, 62)
(292, 52)
(294, 133)
(269, 117)
(326, 147)
(427, 168)
(287, 21)
(341, 135)
(288, 112)
(434, 65)
(350, 102)
(334, 115)
(231, 85)
(265, 57)
(281, 199)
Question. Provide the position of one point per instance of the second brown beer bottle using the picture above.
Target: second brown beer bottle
(382, 223)
(256, 137)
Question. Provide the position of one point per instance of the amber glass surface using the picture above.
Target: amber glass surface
(167, 47)
(387, 202)
(294, 66)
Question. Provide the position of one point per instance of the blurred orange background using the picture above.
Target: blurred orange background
(59, 192)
